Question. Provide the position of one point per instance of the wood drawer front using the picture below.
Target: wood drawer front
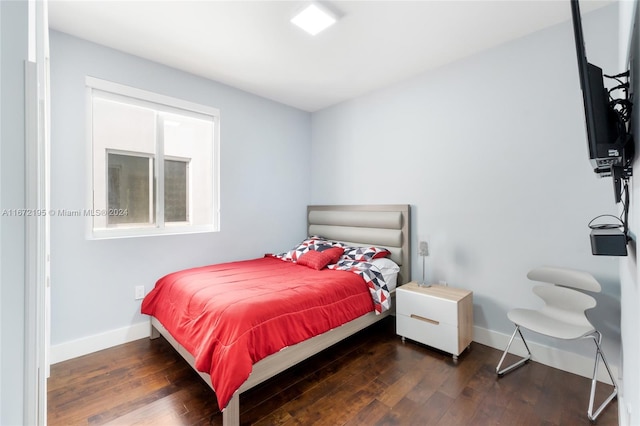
(441, 336)
(433, 308)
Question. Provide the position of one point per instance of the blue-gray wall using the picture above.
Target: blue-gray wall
(629, 273)
(491, 152)
(264, 149)
(13, 53)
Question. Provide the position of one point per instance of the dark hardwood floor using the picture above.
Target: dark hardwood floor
(371, 378)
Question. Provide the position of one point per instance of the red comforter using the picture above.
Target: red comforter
(230, 316)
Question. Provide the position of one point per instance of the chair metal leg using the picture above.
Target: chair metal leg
(597, 337)
(516, 364)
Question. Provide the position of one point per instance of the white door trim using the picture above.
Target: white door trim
(36, 217)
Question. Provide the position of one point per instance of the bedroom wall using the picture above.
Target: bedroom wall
(491, 153)
(13, 53)
(265, 149)
(629, 400)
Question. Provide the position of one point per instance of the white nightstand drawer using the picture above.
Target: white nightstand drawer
(438, 316)
(433, 308)
(441, 336)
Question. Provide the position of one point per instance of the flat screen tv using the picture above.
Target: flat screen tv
(610, 148)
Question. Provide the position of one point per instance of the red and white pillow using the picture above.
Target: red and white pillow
(318, 259)
(320, 244)
(311, 243)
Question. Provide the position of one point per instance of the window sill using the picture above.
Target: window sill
(116, 233)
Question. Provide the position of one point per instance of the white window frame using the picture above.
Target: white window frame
(168, 104)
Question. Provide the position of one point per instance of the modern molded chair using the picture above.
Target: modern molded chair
(563, 317)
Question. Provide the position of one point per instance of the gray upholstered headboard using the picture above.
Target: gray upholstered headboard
(384, 225)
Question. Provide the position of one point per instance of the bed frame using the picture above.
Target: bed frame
(381, 225)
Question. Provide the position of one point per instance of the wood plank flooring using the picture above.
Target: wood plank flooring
(371, 378)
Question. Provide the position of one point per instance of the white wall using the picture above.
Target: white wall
(629, 401)
(13, 53)
(265, 149)
(491, 153)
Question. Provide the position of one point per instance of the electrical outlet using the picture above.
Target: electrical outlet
(139, 292)
(423, 249)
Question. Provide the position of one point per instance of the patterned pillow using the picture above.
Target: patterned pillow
(364, 254)
(318, 259)
(311, 243)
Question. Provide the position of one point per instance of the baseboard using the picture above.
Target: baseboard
(98, 342)
(553, 357)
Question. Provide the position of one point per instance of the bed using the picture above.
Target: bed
(359, 297)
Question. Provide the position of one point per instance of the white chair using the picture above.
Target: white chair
(563, 317)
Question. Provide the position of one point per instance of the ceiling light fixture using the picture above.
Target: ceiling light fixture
(314, 18)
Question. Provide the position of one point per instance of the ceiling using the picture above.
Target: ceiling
(251, 45)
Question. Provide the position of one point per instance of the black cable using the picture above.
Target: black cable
(623, 106)
(622, 74)
(625, 209)
(606, 225)
(623, 218)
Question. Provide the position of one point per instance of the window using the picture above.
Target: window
(154, 163)
(130, 189)
(176, 190)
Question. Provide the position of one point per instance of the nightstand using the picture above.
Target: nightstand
(437, 316)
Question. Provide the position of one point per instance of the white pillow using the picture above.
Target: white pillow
(389, 270)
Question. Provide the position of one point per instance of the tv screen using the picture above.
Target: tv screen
(606, 133)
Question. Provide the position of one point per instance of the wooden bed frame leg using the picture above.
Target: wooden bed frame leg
(231, 414)
(154, 333)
